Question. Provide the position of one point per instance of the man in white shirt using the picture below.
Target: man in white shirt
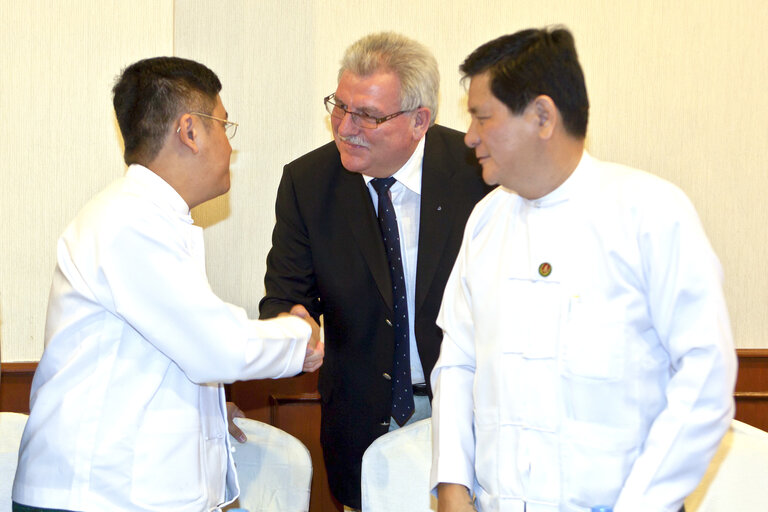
(127, 409)
(587, 357)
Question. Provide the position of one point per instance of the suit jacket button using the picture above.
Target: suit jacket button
(388, 322)
(387, 376)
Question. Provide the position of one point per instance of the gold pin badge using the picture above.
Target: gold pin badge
(545, 269)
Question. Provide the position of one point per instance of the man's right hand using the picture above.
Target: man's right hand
(315, 347)
(301, 312)
(454, 498)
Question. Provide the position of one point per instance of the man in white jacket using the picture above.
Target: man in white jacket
(127, 407)
(587, 357)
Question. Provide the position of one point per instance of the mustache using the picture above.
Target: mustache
(357, 140)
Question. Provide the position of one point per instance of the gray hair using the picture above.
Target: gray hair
(413, 64)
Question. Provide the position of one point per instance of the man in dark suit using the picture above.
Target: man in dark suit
(328, 254)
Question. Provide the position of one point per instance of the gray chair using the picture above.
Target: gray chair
(395, 473)
(274, 469)
(11, 427)
(737, 477)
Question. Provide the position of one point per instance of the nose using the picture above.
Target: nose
(471, 139)
(346, 126)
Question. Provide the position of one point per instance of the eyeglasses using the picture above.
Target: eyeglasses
(338, 110)
(230, 128)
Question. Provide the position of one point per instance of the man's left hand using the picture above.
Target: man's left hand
(233, 412)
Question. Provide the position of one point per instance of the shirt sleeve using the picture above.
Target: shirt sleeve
(453, 440)
(688, 309)
(153, 277)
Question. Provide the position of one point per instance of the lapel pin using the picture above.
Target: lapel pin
(545, 269)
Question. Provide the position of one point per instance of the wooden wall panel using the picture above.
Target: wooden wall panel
(294, 406)
(253, 397)
(15, 381)
(752, 388)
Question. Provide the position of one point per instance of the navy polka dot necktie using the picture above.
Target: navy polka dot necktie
(402, 389)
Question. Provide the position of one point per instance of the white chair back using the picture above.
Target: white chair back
(737, 477)
(11, 427)
(274, 469)
(395, 473)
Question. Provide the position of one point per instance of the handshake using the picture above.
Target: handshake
(312, 361)
(315, 348)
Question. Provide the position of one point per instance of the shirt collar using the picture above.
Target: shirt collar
(568, 188)
(159, 191)
(410, 173)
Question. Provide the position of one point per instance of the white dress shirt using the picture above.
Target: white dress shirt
(587, 356)
(406, 199)
(126, 410)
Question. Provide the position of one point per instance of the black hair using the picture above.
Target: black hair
(148, 96)
(530, 63)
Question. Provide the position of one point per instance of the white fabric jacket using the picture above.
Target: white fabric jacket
(126, 409)
(587, 357)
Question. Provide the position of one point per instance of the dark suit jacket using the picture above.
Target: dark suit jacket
(327, 254)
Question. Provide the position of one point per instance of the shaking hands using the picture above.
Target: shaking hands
(315, 348)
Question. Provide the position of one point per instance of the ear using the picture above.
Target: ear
(546, 114)
(421, 117)
(187, 133)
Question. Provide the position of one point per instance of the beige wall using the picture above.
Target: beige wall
(677, 88)
(59, 142)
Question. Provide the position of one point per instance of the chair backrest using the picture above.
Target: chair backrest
(395, 473)
(274, 469)
(737, 477)
(11, 427)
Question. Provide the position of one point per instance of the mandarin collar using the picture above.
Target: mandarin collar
(567, 189)
(159, 191)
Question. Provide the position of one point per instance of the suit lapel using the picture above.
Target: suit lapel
(352, 195)
(437, 215)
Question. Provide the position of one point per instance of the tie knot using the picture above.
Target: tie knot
(382, 184)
